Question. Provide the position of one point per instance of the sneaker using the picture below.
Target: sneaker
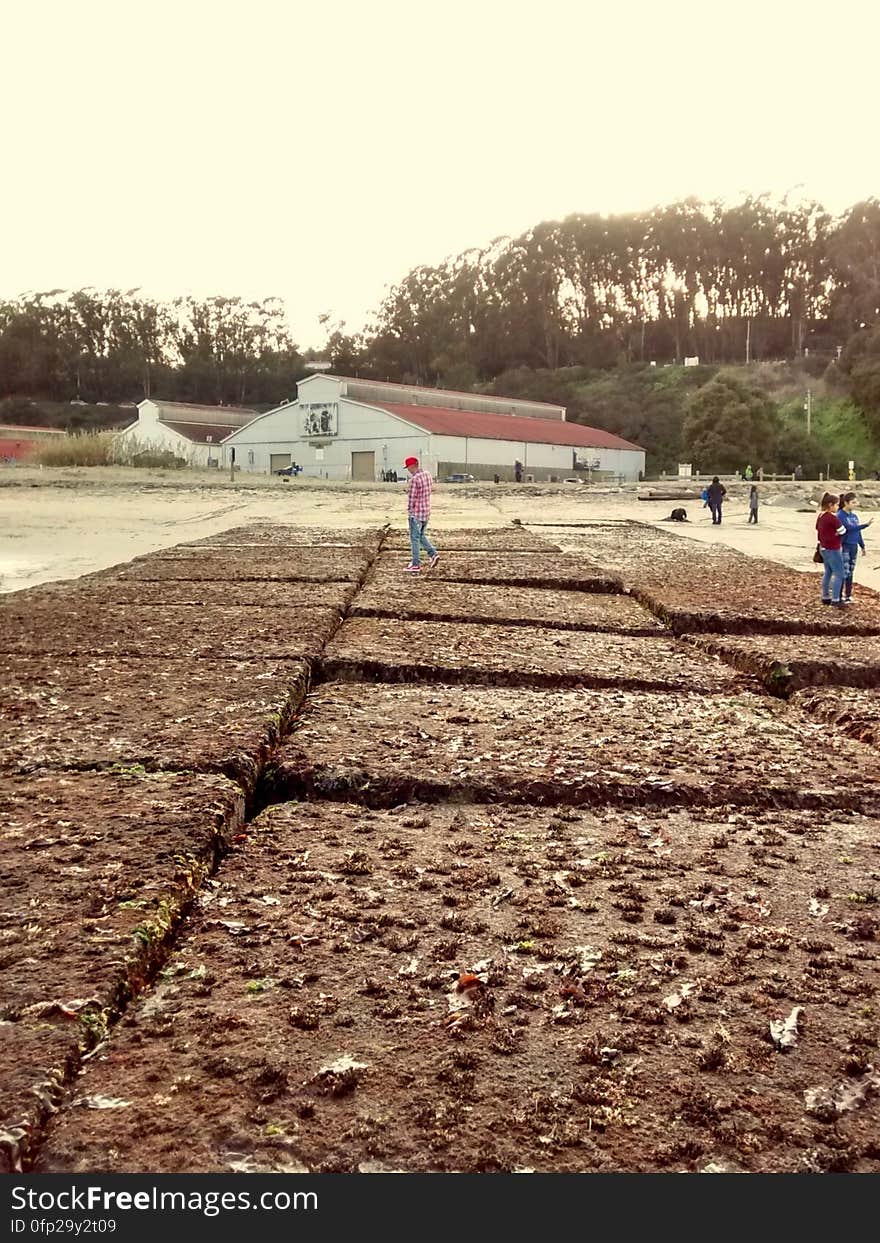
(838, 604)
(433, 561)
(845, 600)
(413, 569)
(826, 601)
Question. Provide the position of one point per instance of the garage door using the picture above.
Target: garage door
(278, 461)
(363, 467)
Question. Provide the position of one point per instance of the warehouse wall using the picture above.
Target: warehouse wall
(365, 429)
(360, 430)
(151, 436)
(505, 472)
(485, 458)
(626, 462)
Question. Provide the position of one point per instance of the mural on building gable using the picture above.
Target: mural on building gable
(320, 418)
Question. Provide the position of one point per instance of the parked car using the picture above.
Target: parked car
(289, 471)
(459, 479)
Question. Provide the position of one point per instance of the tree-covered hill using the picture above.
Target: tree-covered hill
(719, 418)
(598, 312)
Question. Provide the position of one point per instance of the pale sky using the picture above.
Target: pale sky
(318, 151)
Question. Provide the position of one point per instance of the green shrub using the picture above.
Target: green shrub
(156, 459)
(22, 412)
(729, 423)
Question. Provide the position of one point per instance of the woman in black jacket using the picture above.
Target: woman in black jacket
(715, 494)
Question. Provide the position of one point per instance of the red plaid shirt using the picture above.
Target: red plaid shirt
(418, 496)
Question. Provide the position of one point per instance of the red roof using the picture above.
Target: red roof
(199, 432)
(505, 427)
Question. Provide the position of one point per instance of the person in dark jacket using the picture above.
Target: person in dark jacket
(716, 493)
(852, 540)
(753, 505)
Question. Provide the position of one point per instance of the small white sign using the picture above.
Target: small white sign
(319, 455)
(692, 362)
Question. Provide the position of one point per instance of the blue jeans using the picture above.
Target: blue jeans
(419, 540)
(850, 556)
(832, 579)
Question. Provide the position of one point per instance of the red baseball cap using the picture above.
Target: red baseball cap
(411, 461)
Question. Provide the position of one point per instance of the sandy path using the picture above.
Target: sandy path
(70, 522)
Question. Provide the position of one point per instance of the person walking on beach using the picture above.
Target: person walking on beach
(753, 505)
(831, 531)
(852, 540)
(716, 493)
(418, 505)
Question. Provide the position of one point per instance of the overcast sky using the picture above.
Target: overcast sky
(318, 150)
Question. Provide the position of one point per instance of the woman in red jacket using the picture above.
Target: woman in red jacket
(830, 531)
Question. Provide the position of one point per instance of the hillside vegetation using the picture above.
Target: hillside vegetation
(651, 405)
(73, 417)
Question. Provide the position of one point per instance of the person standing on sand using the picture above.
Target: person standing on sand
(753, 505)
(852, 540)
(716, 493)
(830, 531)
(418, 505)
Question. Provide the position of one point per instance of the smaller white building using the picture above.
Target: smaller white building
(192, 433)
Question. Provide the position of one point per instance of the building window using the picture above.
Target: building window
(250, 457)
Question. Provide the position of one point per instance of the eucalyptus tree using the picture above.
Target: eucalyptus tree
(854, 248)
(223, 346)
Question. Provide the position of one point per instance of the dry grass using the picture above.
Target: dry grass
(87, 449)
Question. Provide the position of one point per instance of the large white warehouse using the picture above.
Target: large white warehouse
(344, 428)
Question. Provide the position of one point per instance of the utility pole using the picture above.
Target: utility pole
(808, 406)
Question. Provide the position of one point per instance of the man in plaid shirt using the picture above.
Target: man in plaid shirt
(418, 504)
